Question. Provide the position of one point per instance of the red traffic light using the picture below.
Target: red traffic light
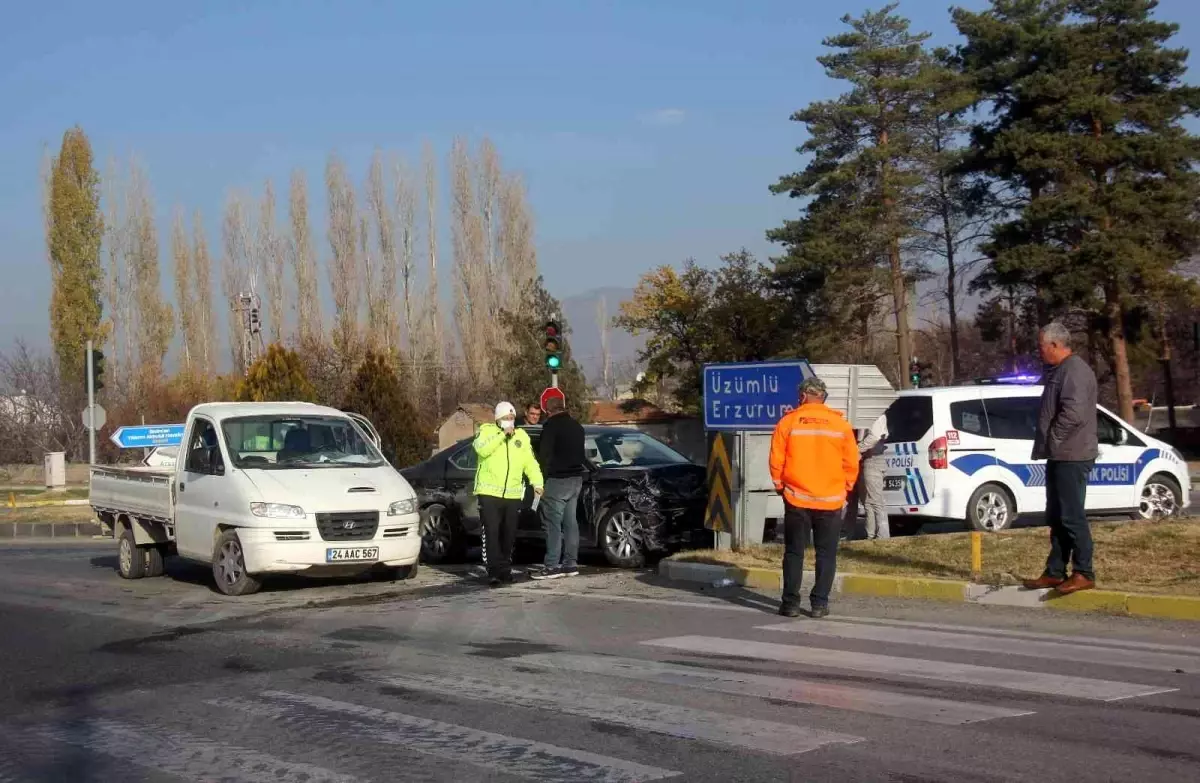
(551, 329)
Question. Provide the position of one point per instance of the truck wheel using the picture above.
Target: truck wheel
(229, 566)
(405, 572)
(154, 560)
(131, 562)
(991, 509)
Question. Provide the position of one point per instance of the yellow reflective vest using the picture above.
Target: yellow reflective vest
(504, 462)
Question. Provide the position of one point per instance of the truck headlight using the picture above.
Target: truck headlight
(402, 507)
(276, 511)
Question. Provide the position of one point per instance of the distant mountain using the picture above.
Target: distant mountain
(581, 312)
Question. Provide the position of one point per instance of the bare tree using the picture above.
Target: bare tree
(270, 252)
(237, 272)
(431, 346)
(185, 299)
(604, 324)
(304, 263)
(518, 258)
(34, 416)
(381, 269)
(345, 271)
(204, 352)
(118, 276)
(406, 220)
(155, 317)
(474, 292)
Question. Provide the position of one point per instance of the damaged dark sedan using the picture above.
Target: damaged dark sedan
(640, 497)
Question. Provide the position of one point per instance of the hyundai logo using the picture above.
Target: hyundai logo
(348, 524)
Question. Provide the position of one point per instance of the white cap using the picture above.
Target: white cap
(505, 409)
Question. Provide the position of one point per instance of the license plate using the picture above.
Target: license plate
(351, 555)
(893, 483)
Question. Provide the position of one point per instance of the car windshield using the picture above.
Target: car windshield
(291, 442)
(630, 449)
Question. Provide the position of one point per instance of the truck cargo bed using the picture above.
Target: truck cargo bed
(141, 492)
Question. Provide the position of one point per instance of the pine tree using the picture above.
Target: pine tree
(520, 367)
(1088, 133)
(74, 228)
(867, 152)
(378, 393)
(278, 376)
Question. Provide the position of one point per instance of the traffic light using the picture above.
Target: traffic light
(552, 343)
(255, 321)
(97, 370)
(914, 373)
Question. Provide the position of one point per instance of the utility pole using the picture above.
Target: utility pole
(249, 307)
(91, 389)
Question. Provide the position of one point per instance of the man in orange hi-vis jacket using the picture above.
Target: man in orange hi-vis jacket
(814, 465)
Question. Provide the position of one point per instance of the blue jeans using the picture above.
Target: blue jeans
(1070, 533)
(559, 507)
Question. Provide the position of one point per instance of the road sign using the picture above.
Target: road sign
(147, 437)
(751, 396)
(718, 515)
(551, 391)
(94, 418)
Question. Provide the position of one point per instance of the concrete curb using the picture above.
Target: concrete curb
(49, 529)
(45, 503)
(1109, 601)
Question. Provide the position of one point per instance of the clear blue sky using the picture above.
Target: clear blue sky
(648, 130)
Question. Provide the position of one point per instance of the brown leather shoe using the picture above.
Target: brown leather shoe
(1076, 583)
(1042, 582)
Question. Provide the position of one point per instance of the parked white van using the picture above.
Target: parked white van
(964, 453)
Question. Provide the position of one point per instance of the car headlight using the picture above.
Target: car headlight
(402, 507)
(276, 511)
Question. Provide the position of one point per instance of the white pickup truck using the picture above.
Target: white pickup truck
(262, 488)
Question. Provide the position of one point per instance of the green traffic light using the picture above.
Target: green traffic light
(553, 362)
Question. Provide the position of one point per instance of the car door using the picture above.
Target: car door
(460, 481)
(1012, 421)
(1113, 483)
(529, 524)
(199, 491)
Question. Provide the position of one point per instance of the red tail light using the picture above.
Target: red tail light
(939, 454)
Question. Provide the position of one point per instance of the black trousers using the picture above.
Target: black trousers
(825, 527)
(499, 517)
(1070, 533)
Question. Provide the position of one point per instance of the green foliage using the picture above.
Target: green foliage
(870, 161)
(521, 373)
(74, 228)
(1087, 133)
(278, 376)
(378, 393)
(696, 316)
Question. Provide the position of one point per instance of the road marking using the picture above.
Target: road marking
(684, 722)
(989, 631)
(967, 674)
(185, 755)
(1061, 651)
(876, 702)
(530, 759)
(552, 593)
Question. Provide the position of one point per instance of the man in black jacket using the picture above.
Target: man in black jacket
(564, 461)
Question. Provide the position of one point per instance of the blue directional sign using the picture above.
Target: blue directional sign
(751, 396)
(148, 437)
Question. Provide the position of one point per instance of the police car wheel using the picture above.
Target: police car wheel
(1160, 498)
(991, 509)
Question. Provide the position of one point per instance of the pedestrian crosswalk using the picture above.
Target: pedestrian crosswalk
(776, 690)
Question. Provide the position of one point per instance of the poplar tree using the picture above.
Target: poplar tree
(74, 229)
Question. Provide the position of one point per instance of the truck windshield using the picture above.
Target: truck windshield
(298, 442)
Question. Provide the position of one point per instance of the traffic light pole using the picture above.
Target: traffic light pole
(91, 379)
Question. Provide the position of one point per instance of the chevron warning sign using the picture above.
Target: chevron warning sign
(718, 516)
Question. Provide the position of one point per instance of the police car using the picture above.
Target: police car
(964, 453)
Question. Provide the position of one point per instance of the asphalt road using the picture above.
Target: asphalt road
(608, 676)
